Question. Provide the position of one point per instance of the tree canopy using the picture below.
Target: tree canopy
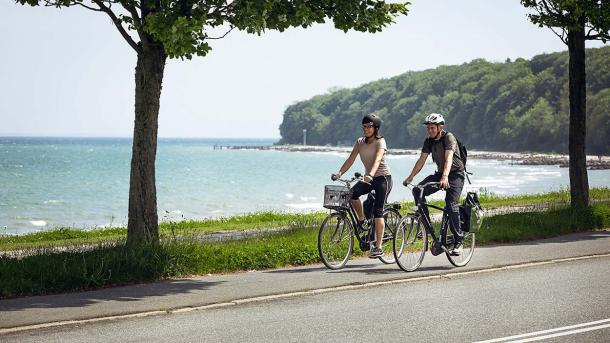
(182, 26)
(520, 105)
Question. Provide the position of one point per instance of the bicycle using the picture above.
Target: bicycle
(336, 235)
(411, 240)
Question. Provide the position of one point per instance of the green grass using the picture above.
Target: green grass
(560, 197)
(514, 227)
(116, 264)
(70, 236)
(254, 221)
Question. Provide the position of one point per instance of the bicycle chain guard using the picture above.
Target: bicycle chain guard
(436, 248)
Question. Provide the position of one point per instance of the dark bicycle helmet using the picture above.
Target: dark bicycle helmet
(371, 118)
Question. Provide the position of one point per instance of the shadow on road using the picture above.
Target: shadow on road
(125, 294)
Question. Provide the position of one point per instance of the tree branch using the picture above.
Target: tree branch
(118, 24)
(137, 21)
(548, 9)
(561, 36)
(598, 36)
(89, 8)
(223, 36)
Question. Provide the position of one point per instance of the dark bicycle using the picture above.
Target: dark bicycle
(336, 236)
(411, 236)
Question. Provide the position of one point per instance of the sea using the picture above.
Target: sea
(83, 183)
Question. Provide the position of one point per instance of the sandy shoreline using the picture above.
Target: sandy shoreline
(593, 162)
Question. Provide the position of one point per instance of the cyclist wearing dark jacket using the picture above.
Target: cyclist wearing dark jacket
(371, 148)
(450, 170)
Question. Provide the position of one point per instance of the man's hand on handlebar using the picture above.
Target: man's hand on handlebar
(335, 177)
(444, 182)
(407, 181)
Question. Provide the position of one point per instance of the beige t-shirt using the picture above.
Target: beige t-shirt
(368, 152)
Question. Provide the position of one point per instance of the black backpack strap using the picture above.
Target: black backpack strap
(466, 172)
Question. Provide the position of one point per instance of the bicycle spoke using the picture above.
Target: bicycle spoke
(409, 245)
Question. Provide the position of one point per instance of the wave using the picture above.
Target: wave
(305, 206)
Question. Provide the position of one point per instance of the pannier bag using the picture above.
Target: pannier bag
(471, 216)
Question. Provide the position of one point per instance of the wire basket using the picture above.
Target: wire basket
(337, 197)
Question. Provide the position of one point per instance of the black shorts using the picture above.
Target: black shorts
(382, 186)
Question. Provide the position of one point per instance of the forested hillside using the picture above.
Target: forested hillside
(518, 105)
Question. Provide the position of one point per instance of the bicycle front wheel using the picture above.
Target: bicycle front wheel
(391, 217)
(335, 241)
(462, 259)
(410, 243)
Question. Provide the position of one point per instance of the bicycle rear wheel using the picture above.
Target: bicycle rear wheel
(410, 243)
(392, 218)
(335, 241)
(467, 250)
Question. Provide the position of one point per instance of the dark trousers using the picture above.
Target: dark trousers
(382, 185)
(452, 197)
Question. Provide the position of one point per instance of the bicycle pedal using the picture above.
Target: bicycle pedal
(364, 246)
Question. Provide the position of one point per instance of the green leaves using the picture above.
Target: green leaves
(182, 26)
(181, 36)
(594, 15)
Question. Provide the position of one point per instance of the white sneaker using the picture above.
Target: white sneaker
(457, 251)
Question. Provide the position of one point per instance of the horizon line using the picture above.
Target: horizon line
(128, 137)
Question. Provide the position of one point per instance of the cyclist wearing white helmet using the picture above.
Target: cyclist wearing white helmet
(371, 148)
(450, 170)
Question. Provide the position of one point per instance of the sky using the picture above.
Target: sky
(68, 72)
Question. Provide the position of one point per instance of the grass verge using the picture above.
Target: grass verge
(113, 264)
(73, 237)
(255, 221)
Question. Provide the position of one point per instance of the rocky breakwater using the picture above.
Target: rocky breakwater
(519, 158)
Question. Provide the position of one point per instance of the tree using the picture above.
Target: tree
(158, 29)
(578, 21)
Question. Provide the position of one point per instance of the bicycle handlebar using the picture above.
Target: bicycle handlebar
(357, 176)
(421, 187)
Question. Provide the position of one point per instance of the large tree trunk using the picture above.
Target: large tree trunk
(579, 184)
(142, 224)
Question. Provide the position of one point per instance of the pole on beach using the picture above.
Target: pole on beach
(304, 137)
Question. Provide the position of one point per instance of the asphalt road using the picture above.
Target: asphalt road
(460, 308)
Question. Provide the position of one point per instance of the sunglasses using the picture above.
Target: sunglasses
(367, 126)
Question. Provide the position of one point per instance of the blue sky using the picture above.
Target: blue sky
(68, 72)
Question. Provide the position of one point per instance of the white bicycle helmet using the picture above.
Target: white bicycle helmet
(434, 118)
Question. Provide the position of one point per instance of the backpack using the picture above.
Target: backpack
(463, 153)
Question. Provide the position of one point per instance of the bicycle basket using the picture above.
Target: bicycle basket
(337, 197)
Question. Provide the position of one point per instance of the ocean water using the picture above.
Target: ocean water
(84, 182)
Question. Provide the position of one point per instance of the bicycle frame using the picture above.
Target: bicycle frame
(424, 214)
(351, 214)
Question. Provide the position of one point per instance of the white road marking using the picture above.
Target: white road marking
(565, 330)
